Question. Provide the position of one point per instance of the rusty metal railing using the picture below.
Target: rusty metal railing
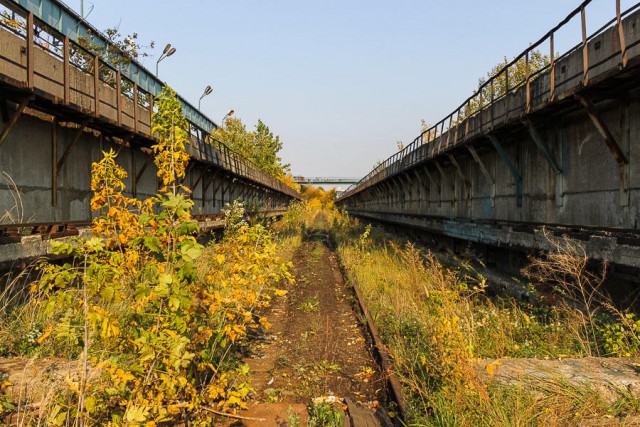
(472, 116)
(39, 57)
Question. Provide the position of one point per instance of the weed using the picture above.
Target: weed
(325, 367)
(308, 333)
(274, 395)
(283, 361)
(324, 415)
(310, 304)
(435, 321)
(293, 419)
(566, 266)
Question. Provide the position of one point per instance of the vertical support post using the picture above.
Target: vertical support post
(119, 97)
(446, 147)
(506, 79)
(623, 44)
(66, 72)
(455, 135)
(552, 65)
(561, 145)
(506, 93)
(440, 137)
(624, 169)
(30, 50)
(135, 107)
(54, 163)
(491, 88)
(585, 48)
(528, 82)
(96, 85)
(134, 173)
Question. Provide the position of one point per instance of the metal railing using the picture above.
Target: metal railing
(40, 56)
(469, 119)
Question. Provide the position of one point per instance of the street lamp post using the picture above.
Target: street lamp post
(229, 114)
(207, 91)
(167, 52)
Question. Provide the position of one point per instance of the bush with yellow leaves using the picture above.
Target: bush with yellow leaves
(156, 313)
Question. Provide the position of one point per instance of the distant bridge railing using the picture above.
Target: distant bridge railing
(324, 180)
(477, 113)
(40, 56)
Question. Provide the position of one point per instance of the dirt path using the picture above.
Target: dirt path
(316, 346)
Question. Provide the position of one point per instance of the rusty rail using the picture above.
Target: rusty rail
(13, 233)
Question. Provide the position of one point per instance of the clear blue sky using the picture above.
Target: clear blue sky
(339, 80)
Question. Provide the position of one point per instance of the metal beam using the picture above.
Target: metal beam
(433, 181)
(54, 162)
(461, 173)
(514, 171)
(504, 157)
(423, 189)
(75, 139)
(602, 129)
(542, 145)
(204, 171)
(483, 168)
(138, 174)
(485, 172)
(13, 119)
(444, 178)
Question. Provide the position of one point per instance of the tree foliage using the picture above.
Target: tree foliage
(511, 80)
(171, 129)
(260, 146)
(318, 198)
(120, 50)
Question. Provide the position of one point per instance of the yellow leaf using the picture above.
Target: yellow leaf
(44, 335)
(73, 386)
(220, 258)
(526, 318)
(492, 367)
(173, 409)
(90, 404)
(280, 292)
(136, 414)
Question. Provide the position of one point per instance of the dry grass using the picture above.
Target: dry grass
(435, 324)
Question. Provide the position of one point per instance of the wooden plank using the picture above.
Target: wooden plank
(361, 416)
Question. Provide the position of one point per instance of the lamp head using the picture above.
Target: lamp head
(208, 90)
(166, 48)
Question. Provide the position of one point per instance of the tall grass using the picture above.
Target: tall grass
(436, 321)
